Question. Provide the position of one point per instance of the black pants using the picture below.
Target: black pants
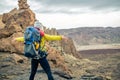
(44, 64)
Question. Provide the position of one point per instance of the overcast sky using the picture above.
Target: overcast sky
(71, 13)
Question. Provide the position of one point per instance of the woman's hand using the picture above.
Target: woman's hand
(13, 40)
(64, 38)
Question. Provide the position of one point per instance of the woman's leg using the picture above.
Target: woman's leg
(34, 66)
(45, 65)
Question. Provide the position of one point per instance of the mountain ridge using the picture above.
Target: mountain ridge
(92, 35)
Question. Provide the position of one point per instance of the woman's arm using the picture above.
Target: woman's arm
(52, 37)
(55, 37)
(21, 39)
(47, 37)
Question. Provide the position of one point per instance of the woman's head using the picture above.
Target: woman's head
(37, 24)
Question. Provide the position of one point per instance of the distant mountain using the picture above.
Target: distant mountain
(93, 35)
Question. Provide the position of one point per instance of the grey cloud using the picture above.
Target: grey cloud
(5, 6)
(59, 11)
(91, 4)
(79, 3)
(4, 9)
(65, 6)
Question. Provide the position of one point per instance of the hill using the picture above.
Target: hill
(93, 35)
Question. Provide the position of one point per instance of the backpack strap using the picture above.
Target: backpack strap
(41, 31)
(42, 47)
(42, 34)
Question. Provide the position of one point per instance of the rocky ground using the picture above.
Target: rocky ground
(14, 66)
(109, 62)
(106, 66)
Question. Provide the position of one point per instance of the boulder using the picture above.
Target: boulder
(15, 22)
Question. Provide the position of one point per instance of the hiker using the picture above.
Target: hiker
(43, 61)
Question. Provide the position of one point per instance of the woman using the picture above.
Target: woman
(43, 61)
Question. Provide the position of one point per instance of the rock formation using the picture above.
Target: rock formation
(69, 48)
(63, 46)
(1, 23)
(15, 22)
(23, 4)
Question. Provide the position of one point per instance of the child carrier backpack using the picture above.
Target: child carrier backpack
(32, 40)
